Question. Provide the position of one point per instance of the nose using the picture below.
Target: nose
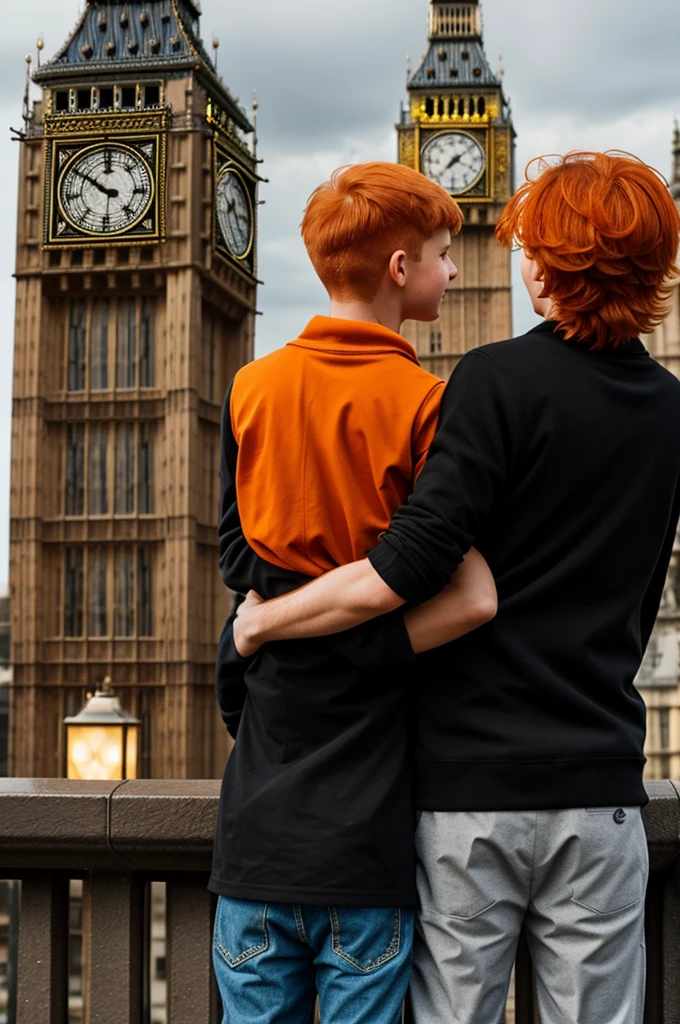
(453, 271)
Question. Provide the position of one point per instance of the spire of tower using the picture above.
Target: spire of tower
(455, 20)
(675, 181)
(455, 56)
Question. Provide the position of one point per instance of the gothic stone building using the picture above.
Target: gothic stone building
(659, 677)
(136, 290)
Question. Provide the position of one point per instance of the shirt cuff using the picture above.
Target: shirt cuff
(401, 575)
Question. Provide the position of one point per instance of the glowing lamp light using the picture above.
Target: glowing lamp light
(102, 741)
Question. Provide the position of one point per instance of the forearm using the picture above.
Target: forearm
(335, 602)
(467, 603)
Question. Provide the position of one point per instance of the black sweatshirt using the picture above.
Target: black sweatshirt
(562, 466)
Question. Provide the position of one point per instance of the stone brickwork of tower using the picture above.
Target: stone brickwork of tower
(136, 294)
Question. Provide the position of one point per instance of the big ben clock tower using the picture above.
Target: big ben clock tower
(136, 290)
(458, 131)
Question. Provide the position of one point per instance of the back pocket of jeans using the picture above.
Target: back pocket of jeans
(240, 930)
(366, 938)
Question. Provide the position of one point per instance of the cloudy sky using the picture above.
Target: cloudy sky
(330, 77)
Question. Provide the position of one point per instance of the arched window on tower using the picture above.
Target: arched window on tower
(481, 106)
(429, 106)
(461, 108)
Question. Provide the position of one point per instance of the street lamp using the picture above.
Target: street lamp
(102, 740)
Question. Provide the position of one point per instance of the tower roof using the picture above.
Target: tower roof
(453, 63)
(455, 56)
(131, 36)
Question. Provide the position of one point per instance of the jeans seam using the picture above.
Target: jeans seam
(300, 924)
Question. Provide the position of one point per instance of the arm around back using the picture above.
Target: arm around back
(472, 457)
(469, 601)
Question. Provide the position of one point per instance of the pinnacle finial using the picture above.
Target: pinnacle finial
(256, 107)
(27, 112)
(675, 180)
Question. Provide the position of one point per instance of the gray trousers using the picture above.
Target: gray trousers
(575, 879)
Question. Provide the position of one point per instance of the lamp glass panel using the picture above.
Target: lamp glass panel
(132, 745)
(94, 752)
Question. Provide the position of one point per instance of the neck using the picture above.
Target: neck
(375, 312)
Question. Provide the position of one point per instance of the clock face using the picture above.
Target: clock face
(106, 189)
(454, 160)
(234, 213)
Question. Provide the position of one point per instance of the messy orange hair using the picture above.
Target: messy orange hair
(604, 232)
(354, 222)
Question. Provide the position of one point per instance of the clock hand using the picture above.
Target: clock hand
(112, 193)
(453, 160)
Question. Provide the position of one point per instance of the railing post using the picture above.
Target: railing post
(42, 990)
(654, 943)
(671, 945)
(190, 915)
(113, 918)
(12, 952)
(662, 917)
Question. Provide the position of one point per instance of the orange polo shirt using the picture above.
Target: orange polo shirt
(332, 431)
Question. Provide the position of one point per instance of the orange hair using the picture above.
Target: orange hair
(604, 232)
(354, 222)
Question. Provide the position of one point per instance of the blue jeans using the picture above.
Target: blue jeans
(272, 959)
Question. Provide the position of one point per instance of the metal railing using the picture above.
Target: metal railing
(119, 837)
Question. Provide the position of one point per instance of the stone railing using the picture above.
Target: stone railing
(119, 837)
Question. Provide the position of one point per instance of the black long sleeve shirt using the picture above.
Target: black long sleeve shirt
(562, 466)
(316, 802)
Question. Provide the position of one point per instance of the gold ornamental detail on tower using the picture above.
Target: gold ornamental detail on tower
(502, 155)
(407, 148)
(97, 124)
(450, 108)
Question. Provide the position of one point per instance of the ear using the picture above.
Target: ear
(397, 268)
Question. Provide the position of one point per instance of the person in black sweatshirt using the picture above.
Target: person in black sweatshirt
(558, 456)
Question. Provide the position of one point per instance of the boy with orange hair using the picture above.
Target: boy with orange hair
(558, 455)
(321, 443)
